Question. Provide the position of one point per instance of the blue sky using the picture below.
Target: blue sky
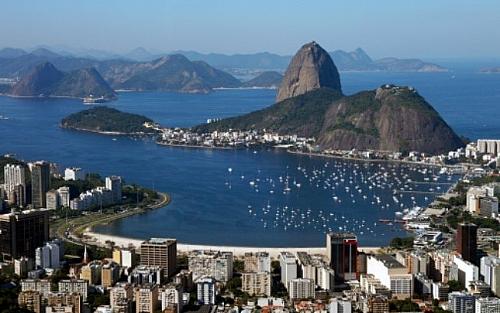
(403, 28)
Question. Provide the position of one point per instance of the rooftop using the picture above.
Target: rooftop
(388, 261)
(160, 241)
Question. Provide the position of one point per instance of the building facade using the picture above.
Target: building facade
(342, 250)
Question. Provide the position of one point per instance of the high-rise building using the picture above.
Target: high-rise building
(41, 286)
(342, 250)
(124, 257)
(40, 184)
(79, 286)
(460, 302)
(110, 274)
(378, 304)
(258, 284)
(340, 306)
(185, 279)
(14, 175)
(64, 196)
(257, 262)
(487, 305)
(92, 272)
(288, 265)
(145, 275)
(490, 270)
(65, 302)
(146, 299)
(391, 274)
(48, 256)
(74, 173)
(211, 263)
(22, 266)
(160, 252)
(52, 200)
(171, 296)
(121, 297)
(467, 241)
(301, 288)
(30, 300)
(15, 184)
(21, 233)
(206, 290)
(114, 183)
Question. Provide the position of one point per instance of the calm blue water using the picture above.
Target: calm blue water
(213, 205)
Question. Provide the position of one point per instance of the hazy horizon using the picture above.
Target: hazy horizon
(451, 29)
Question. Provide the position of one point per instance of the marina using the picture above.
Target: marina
(209, 201)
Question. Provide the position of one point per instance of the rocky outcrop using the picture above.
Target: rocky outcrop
(390, 118)
(311, 68)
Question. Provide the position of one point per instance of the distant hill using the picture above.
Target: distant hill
(262, 60)
(407, 65)
(176, 73)
(103, 119)
(389, 118)
(357, 60)
(131, 70)
(11, 53)
(268, 79)
(173, 73)
(45, 80)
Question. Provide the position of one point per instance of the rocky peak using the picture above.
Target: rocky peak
(311, 68)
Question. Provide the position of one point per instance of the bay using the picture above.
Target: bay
(210, 203)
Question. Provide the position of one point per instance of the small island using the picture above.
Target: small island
(110, 121)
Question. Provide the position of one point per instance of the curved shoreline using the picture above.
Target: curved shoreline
(332, 156)
(107, 133)
(238, 251)
(76, 231)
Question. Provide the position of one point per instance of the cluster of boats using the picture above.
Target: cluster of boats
(340, 195)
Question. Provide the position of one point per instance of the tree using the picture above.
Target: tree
(455, 285)
(402, 243)
(403, 306)
(238, 266)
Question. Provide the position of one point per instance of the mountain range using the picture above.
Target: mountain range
(310, 103)
(357, 60)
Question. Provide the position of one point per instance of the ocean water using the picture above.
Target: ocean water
(237, 197)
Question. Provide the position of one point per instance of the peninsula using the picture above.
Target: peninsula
(310, 104)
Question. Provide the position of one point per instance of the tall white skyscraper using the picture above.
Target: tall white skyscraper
(13, 175)
(15, 183)
(206, 290)
(288, 266)
(114, 183)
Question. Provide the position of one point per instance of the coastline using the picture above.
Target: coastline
(193, 146)
(75, 230)
(324, 155)
(238, 251)
(84, 234)
(107, 133)
(50, 97)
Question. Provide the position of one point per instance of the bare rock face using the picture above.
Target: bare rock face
(311, 68)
